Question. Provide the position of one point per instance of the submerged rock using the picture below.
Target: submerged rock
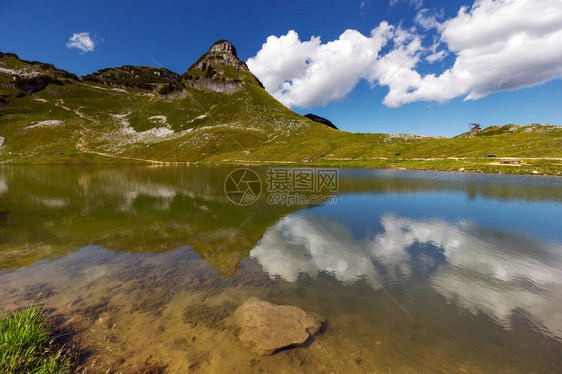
(267, 328)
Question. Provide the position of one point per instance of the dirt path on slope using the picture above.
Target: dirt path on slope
(81, 143)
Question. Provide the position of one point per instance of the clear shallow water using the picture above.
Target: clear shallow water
(414, 271)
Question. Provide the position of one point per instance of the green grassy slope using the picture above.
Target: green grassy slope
(218, 112)
(139, 112)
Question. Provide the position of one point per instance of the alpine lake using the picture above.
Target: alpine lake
(142, 267)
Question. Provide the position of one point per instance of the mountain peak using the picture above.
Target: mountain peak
(222, 53)
(224, 46)
(220, 70)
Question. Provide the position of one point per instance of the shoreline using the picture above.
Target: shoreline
(478, 165)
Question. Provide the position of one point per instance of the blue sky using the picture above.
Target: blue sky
(174, 34)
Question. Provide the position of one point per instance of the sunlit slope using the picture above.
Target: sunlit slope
(139, 112)
(217, 111)
(528, 141)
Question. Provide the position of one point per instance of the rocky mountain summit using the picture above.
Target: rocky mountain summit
(222, 53)
(219, 70)
(224, 46)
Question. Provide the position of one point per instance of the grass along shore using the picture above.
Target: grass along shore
(27, 344)
(528, 166)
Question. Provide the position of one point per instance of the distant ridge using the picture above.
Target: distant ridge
(322, 120)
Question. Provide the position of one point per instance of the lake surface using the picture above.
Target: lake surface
(415, 272)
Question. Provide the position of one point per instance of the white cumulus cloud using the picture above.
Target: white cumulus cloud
(497, 45)
(306, 73)
(82, 41)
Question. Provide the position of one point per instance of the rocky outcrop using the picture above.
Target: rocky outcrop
(321, 120)
(4, 54)
(30, 76)
(216, 84)
(165, 73)
(213, 71)
(220, 53)
(35, 84)
(34, 68)
(267, 328)
(224, 46)
(129, 76)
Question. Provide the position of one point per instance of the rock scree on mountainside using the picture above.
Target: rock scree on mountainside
(266, 328)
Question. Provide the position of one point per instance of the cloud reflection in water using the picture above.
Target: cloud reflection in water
(480, 270)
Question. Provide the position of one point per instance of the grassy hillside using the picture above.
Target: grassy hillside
(218, 112)
(138, 112)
